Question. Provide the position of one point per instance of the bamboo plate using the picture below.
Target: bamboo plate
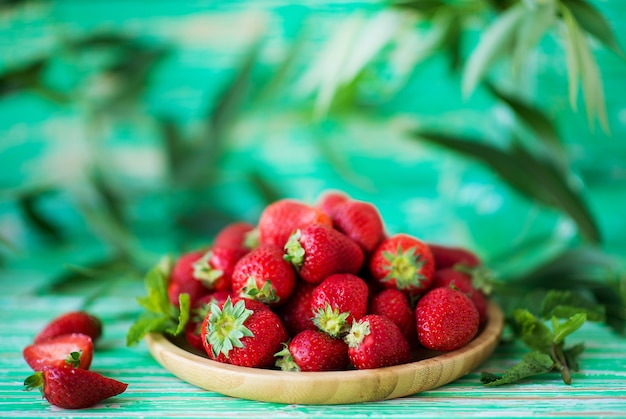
(337, 387)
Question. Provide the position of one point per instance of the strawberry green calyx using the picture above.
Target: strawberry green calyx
(203, 271)
(405, 268)
(34, 381)
(226, 327)
(331, 321)
(294, 252)
(285, 360)
(266, 294)
(73, 359)
(359, 330)
(251, 239)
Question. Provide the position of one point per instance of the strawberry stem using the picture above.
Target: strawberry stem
(405, 268)
(266, 294)
(204, 272)
(73, 359)
(34, 381)
(285, 360)
(331, 321)
(294, 252)
(359, 330)
(226, 327)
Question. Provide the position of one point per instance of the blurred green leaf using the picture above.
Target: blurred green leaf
(29, 205)
(594, 23)
(266, 189)
(425, 7)
(566, 303)
(24, 77)
(534, 119)
(537, 20)
(539, 180)
(495, 40)
(571, 356)
(109, 198)
(582, 67)
(174, 145)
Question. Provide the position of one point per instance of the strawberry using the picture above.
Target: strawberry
(403, 262)
(361, 222)
(375, 341)
(66, 351)
(215, 268)
(318, 251)
(463, 282)
(395, 305)
(448, 256)
(240, 235)
(296, 312)
(243, 334)
(446, 319)
(280, 219)
(329, 200)
(313, 350)
(264, 275)
(337, 302)
(182, 279)
(198, 312)
(71, 322)
(71, 388)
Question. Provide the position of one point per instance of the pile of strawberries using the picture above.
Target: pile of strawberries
(323, 288)
(61, 355)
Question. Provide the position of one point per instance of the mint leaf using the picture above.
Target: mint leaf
(562, 330)
(533, 363)
(146, 323)
(564, 304)
(532, 331)
(156, 281)
(184, 304)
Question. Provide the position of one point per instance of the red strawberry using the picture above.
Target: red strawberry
(375, 341)
(318, 251)
(361, 222)
(337, 302)
(313, 350)
(72, 322)
(215, 268)
(296, 313)
(240, 235)
(264, 275)
(66, 351)
(446, 319)
(242, 334)
(329, 200)
(448, 256)
(280, 219)
(182, 278)
(198, 313)
(395, 305)
(463, 282)
(403, 262)
(71, 388)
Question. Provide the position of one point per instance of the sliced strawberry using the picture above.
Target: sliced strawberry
(72, 322)
(71, 388)
(66, 351)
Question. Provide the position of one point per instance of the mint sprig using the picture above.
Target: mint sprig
(159, 315)
(546, 339)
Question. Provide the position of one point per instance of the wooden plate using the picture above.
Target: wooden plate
(337, 387)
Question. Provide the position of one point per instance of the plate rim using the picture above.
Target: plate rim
(173, 358)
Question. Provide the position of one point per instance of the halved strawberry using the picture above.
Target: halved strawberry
(66, 351)
(72, 322)
(71, 388)
(403, 262)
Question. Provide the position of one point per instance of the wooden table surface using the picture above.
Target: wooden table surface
(598, 390)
